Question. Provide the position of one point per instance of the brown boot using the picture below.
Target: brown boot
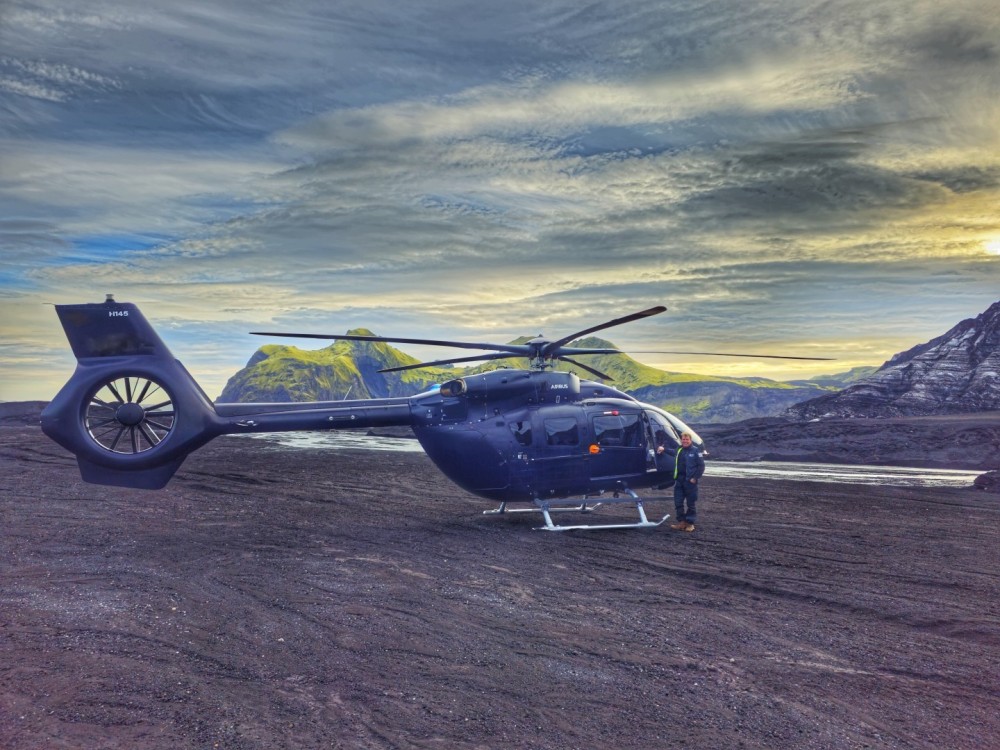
(680, 525)
(688, 527)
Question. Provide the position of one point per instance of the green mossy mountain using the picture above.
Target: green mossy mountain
(345, 369)
(349, 369)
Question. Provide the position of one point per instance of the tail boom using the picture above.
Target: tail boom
(314, 415)
(131, 412)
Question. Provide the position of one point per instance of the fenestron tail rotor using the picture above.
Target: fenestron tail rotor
(129, 414)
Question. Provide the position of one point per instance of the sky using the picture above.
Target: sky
(787, 177)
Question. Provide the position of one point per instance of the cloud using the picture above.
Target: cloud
(103, 189)
(966, 42)
(561, 110)
(526, 164)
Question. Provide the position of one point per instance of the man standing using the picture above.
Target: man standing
(689, 465)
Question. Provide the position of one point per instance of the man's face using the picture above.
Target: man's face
(686, 441)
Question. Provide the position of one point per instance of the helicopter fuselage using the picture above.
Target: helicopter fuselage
(514, 435)
(131, 413)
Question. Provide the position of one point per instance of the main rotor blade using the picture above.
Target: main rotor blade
(551, 348)
(588, 368)
(727, 354)
(478, 358)
(576, 350)
(515, 349)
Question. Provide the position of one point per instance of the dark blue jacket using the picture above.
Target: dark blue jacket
(689, 463)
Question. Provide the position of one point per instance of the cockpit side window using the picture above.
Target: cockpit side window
(617, 430)
(632, 430)
(607, 431)
(663, 431)
(680, 427)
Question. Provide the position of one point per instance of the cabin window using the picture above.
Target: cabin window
(562, 431)
(455, 411)
(522, 432)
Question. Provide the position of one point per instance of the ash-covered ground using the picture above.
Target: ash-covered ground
(273, 598)
(952, 441)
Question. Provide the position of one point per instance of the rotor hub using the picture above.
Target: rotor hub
(130, 414)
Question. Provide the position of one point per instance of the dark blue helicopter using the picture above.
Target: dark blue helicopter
(131, 413)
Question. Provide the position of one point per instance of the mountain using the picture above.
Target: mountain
(839, 380)
(343, 369)
(698, 398)
(958, 372)
(21, 412)
(350, 369)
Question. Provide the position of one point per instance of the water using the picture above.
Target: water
(341, 439)
(894, 476)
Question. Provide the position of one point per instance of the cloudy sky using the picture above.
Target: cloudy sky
(814, 178)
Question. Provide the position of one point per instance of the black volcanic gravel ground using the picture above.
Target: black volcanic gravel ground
(271, 598)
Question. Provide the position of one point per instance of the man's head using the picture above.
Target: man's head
(686, 439)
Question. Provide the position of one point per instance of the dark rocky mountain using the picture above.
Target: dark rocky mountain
(956, 373)
(709, 401)
(840, 379)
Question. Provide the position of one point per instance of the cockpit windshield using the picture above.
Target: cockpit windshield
(676, 426)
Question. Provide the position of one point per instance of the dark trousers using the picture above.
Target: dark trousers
(684, 490)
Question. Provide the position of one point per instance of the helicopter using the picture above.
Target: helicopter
(539, 437)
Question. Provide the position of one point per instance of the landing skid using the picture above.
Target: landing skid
(545, 507)
(581, 508)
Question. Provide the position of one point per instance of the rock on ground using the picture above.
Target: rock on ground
(990, 481)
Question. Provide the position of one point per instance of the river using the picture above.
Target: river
(895, 476)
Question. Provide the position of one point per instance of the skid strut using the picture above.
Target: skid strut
(545, 507)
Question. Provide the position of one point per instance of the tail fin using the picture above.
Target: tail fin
(110, 329)
(131, 412)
